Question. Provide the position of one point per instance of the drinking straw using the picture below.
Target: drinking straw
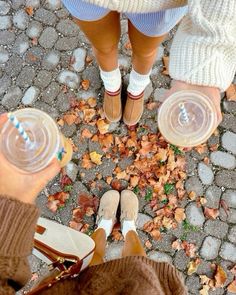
(19, 127)
(183, 113)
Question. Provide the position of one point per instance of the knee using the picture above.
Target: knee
(144, 54)
(106, 49)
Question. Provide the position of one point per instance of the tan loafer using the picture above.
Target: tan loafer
(133, 109)
(129, 206)
(112, 106)
(108, 206)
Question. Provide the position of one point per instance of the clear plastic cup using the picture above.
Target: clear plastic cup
(46, 142)
(187, 118)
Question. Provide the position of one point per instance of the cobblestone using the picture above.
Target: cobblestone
(232, 234)
(33, 3)
(92, 74)
(212, 195)
(194, 214)
(229, 141)
(68, 28)
(79, 56)
(14, 65)
(51, 60)
(4, 7)
(160, 256)
(5, 22)
(71, 170)
(66, 43)
(34, 29)
(4, 55)
(34, 55)
(30, 96)
(54, 4)
(229, 122)
(230, 197)
(51, 92)
(226, 179)
(45, 16)
(69, 78)
(48, 37)
(26, 77)
(181, 260)
(12, 98)
(232, 216)
(224, 160)
(62, 103)
(205, 173)
(228, 251)
(194, 184)
(21, 19)
(210, 248)
(21, 44)
(7, 38)
(216, 228)
(5, 82)
(142, 219)
(43, 79)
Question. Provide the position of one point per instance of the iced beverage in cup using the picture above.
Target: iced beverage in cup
(187, 118)
(45, 141)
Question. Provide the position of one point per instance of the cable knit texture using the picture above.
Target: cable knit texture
(130, 275)
(204, 49)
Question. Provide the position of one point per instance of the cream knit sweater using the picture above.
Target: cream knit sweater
(204, 49)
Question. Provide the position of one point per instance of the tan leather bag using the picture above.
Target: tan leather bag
(66, 250)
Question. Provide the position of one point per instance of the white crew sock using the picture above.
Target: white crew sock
(127, 226)
(137, 82)
(107, 225)
(111, 80)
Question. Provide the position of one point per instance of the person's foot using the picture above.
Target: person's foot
(133, 109)
(112, 106)
(129, 211)
(106, 216)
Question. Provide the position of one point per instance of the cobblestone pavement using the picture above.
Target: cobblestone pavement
(36, 49)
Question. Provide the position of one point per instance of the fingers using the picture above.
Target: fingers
(3, 119)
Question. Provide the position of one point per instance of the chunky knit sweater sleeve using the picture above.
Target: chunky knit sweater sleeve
(204, 49)
(17, 226)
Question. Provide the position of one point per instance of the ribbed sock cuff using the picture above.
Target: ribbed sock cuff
(138, 82)
(18, 221)
(111, 80)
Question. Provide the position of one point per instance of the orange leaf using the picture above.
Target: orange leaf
(176, 245)
(166, 65)
(134, 180)
(92, 102)
(89, 59)
(34, 41)
(102, 126)
(89, 114)
(69, 119)
(148, 244)
(61, 122)
(192, 195)
(156, 234)
(179, 214)
(232, 287)
(29, 10)
(116, 185)
(201, 149)
(86, 133)
(193, 266)
(220, 277)
(211, 213)
(86, 162)
(85, 84)
(231, 93)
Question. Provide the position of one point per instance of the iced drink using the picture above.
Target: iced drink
(46, 142)
(187, 118)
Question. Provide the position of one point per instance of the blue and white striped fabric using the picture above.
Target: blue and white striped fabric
(150, 24)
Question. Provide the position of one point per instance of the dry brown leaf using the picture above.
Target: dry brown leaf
(156, 234)
(201, 149)
(86, 133)
(192, 195)
(220, 277)
(103, 127)
(106, 140)
(179, 214)
(89, 114)
(92, 102)
(193, 266)
(69, 119)
(225, 206)
(166, 65)
(204, 290)
(134, 180)
(148, 244)
(232, 287)
(231, 93)
(34, 41)
(29, 10)
(152, 105)
(128, 45)
(95, 158)
(89, 59)
(61, 122)
(85, 84)
(176, 245)
(121, 175)
(86, 162)
(211, 213)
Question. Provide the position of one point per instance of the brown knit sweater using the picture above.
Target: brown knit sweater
(130, 275)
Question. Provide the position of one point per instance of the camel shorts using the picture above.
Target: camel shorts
(151, 24)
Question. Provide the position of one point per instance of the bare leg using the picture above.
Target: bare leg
(133, 246)
(144, 49)
(104, 35)
(99, 238)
